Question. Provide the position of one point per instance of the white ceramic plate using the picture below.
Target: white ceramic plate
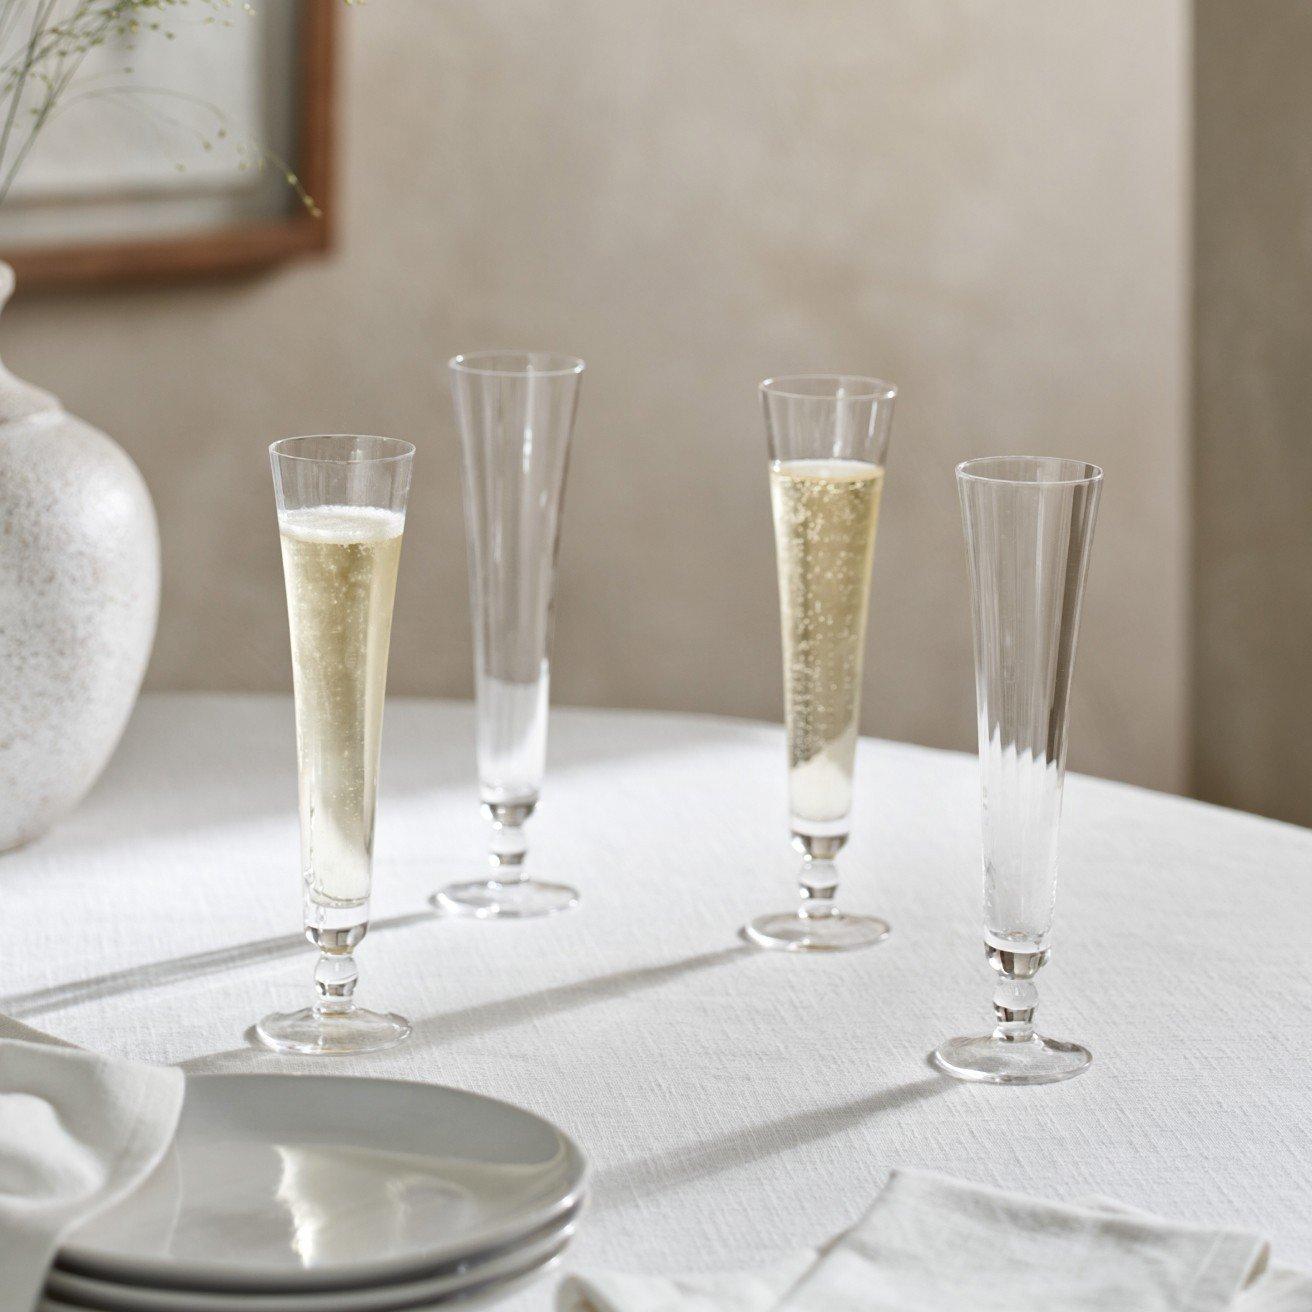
(279, 1183)
(480, 1294)
(526, 1254)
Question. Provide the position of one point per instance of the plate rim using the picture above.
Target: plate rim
(545, 1244)
(517, 1277)
(219, 1279)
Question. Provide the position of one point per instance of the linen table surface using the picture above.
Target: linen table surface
(735, 1104)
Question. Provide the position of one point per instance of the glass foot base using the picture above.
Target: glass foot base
(323, 1033)
(789, 932)
(990, 1060)
(488, 900)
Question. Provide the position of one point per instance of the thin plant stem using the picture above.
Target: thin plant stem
(16, 95)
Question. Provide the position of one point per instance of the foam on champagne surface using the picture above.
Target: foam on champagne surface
(833, 470)
(342, 524)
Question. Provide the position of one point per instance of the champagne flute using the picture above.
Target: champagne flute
(1029, 524)
(828, 437)
(341, 512)
(516, 415)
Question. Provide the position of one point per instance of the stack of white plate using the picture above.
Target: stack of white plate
(306, 1193)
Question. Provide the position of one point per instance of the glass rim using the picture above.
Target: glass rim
(399, 450)
(868, 387)
(468, 362)
(966, 470)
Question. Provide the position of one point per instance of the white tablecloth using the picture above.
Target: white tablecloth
(735, 1104)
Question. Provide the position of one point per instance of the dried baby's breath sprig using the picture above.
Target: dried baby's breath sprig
(44, 43)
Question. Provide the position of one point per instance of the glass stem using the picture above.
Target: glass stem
(508, 846)
(335, 933)
(335, 978)
(817, 881)
(1016, 995)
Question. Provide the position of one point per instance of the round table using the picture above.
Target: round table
(734, 1103)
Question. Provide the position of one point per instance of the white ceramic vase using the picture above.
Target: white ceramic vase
(79, 595)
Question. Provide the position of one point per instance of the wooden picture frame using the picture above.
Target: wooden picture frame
(234, 248)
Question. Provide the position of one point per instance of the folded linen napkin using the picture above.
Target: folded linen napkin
(77, 1132)
(931, 1244)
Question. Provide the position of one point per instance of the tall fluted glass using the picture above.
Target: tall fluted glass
(828, 438)
(516, 412)
(1029, 524)
(341, 513)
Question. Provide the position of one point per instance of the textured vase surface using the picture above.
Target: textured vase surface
(79, 596)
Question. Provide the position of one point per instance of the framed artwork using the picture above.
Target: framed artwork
(169, 156)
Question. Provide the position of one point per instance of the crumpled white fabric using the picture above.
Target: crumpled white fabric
(931, 1244)
(77, 1132)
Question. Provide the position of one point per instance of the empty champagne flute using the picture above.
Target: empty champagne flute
(828, 438)
(516, 412)
(341, 512)
(1029, 524)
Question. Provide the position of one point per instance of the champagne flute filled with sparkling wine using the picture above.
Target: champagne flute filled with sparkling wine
(828, 436)
(341, 512)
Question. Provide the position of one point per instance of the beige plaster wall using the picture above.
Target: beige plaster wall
(983, 200)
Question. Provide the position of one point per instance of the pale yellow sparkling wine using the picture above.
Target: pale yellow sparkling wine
(825, 512)
(340, 564)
